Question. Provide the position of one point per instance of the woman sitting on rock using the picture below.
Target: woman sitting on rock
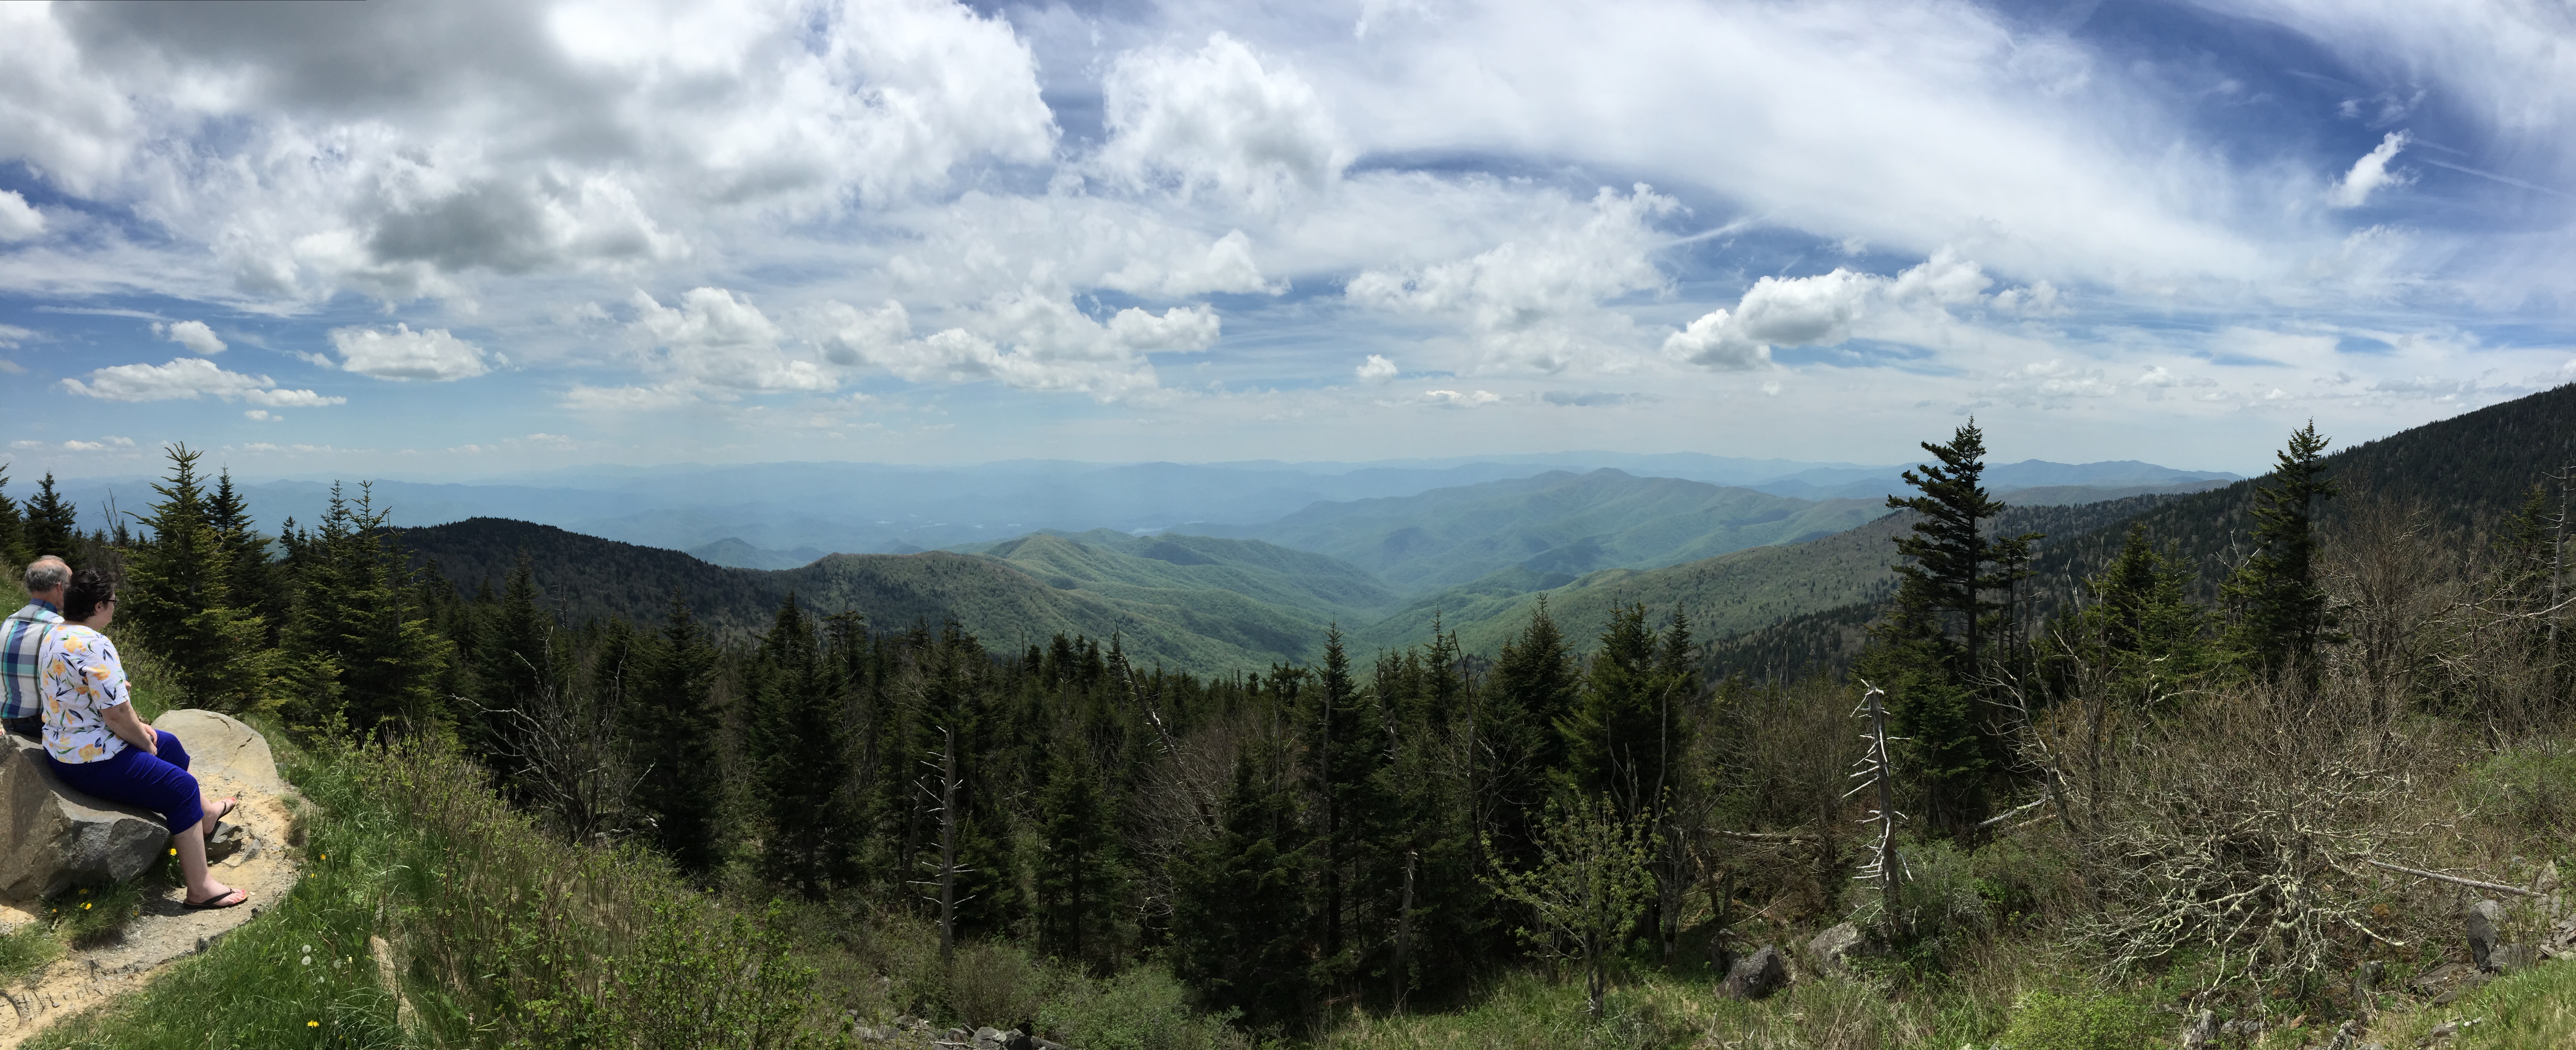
(97, 744)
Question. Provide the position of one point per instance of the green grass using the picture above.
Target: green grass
(27, 949)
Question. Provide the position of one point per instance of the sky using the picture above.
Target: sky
(466, 239)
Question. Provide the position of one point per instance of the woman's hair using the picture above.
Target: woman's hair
(90, 588)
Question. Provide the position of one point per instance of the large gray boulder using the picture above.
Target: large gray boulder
(224, 753)
(1756, 976)
(2483, 919)
(53, 838)
(1835, 947)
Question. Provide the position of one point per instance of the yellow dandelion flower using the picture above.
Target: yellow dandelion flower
(84, 905)
(312, 1024)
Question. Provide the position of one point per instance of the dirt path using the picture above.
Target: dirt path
(165, 933)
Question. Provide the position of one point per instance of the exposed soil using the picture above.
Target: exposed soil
(165, 933)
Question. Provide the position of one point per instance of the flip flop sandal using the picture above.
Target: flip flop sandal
(233, 899)
(229, 804)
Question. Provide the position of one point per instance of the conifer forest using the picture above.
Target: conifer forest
(2226, 764)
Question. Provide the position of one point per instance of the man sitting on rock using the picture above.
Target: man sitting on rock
(21, 705)
(98, 745)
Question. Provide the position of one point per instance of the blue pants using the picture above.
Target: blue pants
(138, 778)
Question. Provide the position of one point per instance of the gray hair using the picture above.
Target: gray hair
(46, 573)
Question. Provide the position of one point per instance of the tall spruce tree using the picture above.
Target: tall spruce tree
(1931, 651)
(1617, 736)
(13, 527)
(1341, 761)
(2280, 615)
(1241, 909)
(800, 761)
(179, 598)
(53, 525)
(1534, 685)
(358, 647)
(1947, 554)
(252, 576)
(1078, 870)
(672, 729)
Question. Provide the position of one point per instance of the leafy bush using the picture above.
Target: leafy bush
(2084, 1020)
(994, 984)
(1143, 1008)
(1943, 912)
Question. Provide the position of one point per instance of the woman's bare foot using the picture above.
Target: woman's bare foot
(222, 808)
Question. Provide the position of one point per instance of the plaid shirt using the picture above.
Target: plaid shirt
(20, 635)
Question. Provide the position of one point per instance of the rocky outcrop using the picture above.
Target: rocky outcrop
(1836, 946)
(53, 838)
(223, 747)
(1756, 976)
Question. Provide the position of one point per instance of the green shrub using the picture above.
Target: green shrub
(2532, 791)
(1942, 911)
(994, 984)
(1143, 1008)
(2085, 1020)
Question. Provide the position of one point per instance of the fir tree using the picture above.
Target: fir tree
(52, 524)
(252, 576)
(13, 527)
(2280, 614)
(179, 599)
(1616, 739)
(1946, 555)
(1240, 909)
(800, 761)
(360, 649)
(1077, 876)
(672, 731)
(1517, 741)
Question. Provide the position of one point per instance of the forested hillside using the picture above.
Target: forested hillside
(1186, 602)
(2462, 475)
(1557, 523)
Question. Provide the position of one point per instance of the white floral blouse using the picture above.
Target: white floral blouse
(82, 677)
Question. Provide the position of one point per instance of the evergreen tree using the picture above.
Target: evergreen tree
(1078, 871)
(252, 577)
(1339, 773)
(672, 730)
(359, 649)
(2141, 620)
(1946, 555)
(1517, 742)
(1240, 909)
(52, 524)
(1944, 762)
(13, 527)
(1616, 738)
(2280, 614)
(179, 599)
(800, 761)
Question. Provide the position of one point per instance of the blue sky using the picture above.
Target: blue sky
(465, 239)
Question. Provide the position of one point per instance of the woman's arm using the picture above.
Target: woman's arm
(122, 721)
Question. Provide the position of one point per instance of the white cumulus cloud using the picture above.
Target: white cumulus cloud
(2371, 172)
(430, 354)
(717, 338)
(188, 378)
(19, 221)
(1823, 310)
(194, 335)
(1028, 340)
(1219, 117)
(1377, 369)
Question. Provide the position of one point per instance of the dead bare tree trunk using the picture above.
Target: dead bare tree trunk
(1404, 932)
(946, 763)
(1879, 767)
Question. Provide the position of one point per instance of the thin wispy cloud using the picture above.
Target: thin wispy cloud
(741, 230)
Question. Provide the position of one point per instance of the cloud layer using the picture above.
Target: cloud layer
(1092, 231)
